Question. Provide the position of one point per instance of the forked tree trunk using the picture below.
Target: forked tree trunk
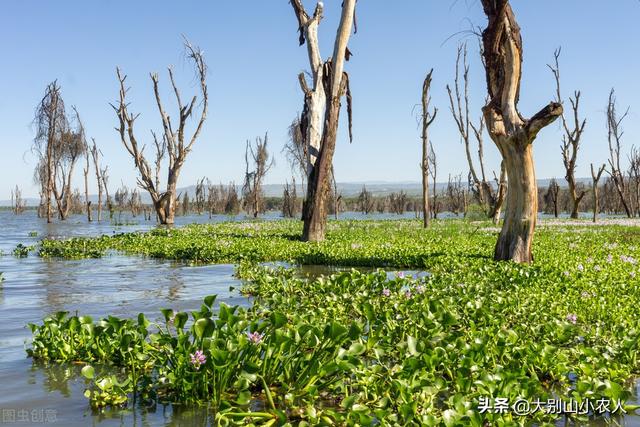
(512, 134)
(335, 82)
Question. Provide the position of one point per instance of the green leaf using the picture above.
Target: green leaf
(181, 319)
(411, 346)
(278, 320)
(204, 327)
(209, 300)
(88, 372)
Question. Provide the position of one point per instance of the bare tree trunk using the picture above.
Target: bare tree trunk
(336, 83)
(433, 171)
(96, 164)
(614, 138)
(86, 186)
(512, 134)
(427, 120)
(596, 177)
(570, 139)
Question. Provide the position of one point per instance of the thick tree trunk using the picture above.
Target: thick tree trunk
(575, 198)
(514, 135)
(315, 212)
(335, 83)
(516, 236)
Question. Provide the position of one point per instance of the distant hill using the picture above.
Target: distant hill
(348, 189)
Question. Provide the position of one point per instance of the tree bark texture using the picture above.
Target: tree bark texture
(512, 134)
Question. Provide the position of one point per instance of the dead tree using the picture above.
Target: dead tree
(366, 203)
(186, 204)
(398, 202)
(571, 138)
(18, 204)
(85, 171)
(232, 201)
(290, 199)
(459, 106)
(257, 157)
(104, 176)
(51, 122)
(634, 180)
(174, 139)
(121, 198)
(614, 137)
(322, 103)
(427, 119)
(69, 149)
(433, 172)
(200, 196)
(551, 197)
(595, 176)
(95, 155)
(456, 195)
(512, 134)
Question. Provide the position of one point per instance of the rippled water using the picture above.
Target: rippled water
(32, 394)
(119, 285)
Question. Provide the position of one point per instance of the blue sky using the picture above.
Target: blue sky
(253, 56)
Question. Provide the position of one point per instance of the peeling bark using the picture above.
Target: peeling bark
(512, 134)
(330, 80)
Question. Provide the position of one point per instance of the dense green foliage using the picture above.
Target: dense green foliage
(360, 348)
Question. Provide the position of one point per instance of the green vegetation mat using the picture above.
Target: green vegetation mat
(370, 349)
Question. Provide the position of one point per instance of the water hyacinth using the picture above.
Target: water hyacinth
(628, 259)
(198, 359)
(255, 337)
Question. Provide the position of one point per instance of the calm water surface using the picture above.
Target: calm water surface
(32, 394)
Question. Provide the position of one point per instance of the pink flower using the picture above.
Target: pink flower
(407, 294)
(572, 318)
(420, 289)
(255, 337)
(386, 292)
(198, 359)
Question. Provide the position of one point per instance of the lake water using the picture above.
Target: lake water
(32, 394)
